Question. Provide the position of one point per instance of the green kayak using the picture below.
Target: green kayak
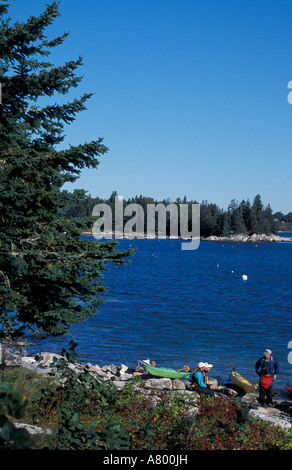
(166, 372)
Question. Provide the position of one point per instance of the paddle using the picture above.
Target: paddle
(185, 368)
(232, 369)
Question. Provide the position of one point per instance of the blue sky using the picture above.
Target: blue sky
(190, 96)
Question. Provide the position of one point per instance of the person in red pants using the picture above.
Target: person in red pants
(267, 368)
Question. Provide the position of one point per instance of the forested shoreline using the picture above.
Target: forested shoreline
(243, 217)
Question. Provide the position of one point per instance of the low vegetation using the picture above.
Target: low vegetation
(82, 413)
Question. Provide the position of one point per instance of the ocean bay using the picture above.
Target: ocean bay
(180, 307)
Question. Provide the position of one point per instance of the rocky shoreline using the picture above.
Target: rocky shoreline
(244, 238)
(280, 414)
(235, 238)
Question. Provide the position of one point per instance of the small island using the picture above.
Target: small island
(240, 222)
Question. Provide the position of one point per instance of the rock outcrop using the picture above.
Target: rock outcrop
(244, 238)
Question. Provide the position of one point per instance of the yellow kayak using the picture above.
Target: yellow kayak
(241, 382)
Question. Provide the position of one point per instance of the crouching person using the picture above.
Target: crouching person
(199, 379)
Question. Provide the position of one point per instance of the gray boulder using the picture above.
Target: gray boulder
(159, 384)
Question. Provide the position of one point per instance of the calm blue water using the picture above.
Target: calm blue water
(181, 307)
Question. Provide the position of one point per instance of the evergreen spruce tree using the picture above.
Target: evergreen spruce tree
(270, 221)
(50, 278)
(235, 217)
(262, 220)
(246, 210)
(225, 224)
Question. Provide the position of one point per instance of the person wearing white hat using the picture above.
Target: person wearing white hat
(267, 368)
(207, 369)
(199, 379)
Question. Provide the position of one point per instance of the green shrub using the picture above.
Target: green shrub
(13, 405)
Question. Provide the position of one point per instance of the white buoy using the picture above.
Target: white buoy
(244, 277)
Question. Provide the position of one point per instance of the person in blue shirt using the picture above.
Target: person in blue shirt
(266, 366)
(199, 379)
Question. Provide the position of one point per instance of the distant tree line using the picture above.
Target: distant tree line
(284, 221)
(283, 218)
(240, 217)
